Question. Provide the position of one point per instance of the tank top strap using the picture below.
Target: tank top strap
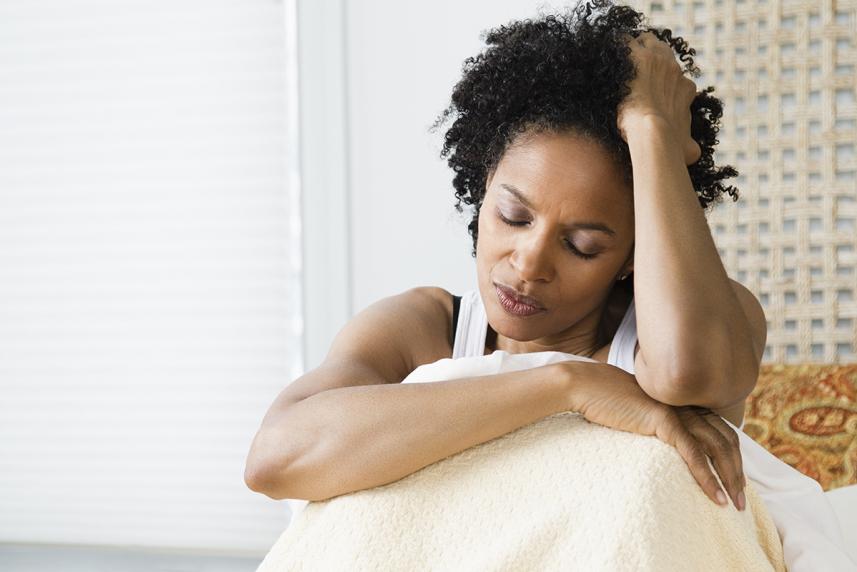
(623, 344)
(471, 328)
(456, 303)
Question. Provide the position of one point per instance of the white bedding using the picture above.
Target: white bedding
(844, 503)
(486, 507)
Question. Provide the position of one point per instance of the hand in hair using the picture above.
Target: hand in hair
(659, 90)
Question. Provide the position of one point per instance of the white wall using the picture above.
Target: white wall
(403, 60)
(147, 287)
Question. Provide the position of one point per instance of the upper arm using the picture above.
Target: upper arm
(381, 344)
(759, 330)
(755, 316)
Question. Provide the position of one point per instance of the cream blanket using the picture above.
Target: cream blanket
(559, 494)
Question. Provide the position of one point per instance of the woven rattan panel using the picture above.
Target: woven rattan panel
(785, 70)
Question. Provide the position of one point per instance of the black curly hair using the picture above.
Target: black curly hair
(559, 73)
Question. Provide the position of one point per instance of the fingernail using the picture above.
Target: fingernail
(742, 501)
(721, 498)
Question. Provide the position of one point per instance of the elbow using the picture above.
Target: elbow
(275, 476)
(717, 390)
(255, 470)
(675, 394)
(292, 469)
(266, 463)
(713, 390)
(255, 477)
(722, 375)
(259, 480)
(260, 467)
(665, 387)
(681, 395)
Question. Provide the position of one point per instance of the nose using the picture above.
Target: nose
(532, 257)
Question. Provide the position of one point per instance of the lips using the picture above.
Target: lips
(515, 303)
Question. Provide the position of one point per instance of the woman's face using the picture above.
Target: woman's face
(559, 187)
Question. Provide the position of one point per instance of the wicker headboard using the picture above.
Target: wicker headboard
(787, 73)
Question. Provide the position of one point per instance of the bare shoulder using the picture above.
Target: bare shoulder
(433, 309)
(383, 343)
(439, 296)
(415, 322)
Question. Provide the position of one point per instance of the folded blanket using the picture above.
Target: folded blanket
(557, 494)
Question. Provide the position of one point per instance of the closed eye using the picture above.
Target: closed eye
(568, 243)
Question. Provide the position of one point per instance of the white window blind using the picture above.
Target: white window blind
(149, 267)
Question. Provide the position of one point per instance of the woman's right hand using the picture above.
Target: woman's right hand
(610, 396)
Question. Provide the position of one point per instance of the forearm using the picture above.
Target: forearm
(684, 299)
(354, 438)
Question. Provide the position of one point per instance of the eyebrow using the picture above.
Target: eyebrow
(589, 225)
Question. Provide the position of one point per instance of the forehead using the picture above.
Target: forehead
(566, 172)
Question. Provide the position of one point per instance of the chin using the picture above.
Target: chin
(511, 327)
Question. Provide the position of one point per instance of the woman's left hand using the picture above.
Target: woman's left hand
(714, 438)
(659, 90)
(609, 396)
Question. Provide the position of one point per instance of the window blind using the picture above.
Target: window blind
(149, 267)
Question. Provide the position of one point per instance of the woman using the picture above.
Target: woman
(549, 121)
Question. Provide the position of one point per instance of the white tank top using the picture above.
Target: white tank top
(472, 331)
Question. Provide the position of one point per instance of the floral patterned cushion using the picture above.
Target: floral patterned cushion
(806, 415)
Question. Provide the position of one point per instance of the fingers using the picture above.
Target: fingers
(649, 41)
(723, 454)
(641, 40)
(737, 463)
(638, 40)
(718, 423)
(721, 443)
(697, 461)
(673, 432)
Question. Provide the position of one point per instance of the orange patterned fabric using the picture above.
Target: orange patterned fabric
(806, 415)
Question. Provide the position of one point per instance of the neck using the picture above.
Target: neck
(584, 345)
